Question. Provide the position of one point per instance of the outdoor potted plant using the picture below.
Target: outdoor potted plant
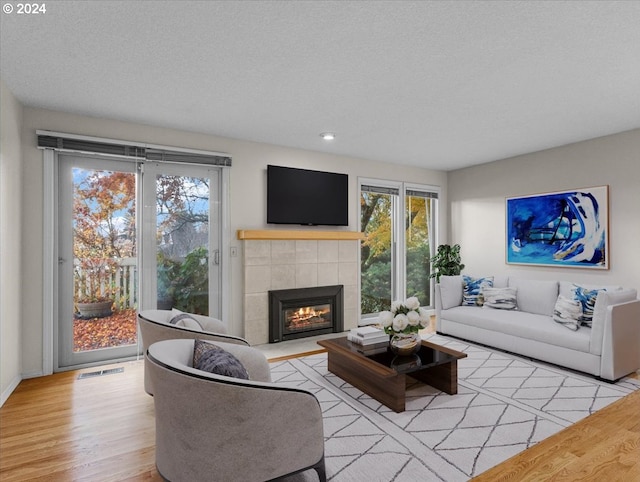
(95, 287)
(446, 262)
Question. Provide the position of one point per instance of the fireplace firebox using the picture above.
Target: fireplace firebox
(302, 312)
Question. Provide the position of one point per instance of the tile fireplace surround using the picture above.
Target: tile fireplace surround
(277, 264)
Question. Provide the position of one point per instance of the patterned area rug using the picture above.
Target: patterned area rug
(504, 405)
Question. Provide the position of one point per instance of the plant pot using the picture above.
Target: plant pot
(405, 344)
(98, 309)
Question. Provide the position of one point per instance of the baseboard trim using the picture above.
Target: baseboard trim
(9, 390)
(37, 374)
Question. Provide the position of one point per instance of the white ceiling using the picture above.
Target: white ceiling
(439, 84)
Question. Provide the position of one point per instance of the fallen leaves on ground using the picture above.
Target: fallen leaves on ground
(116, 330)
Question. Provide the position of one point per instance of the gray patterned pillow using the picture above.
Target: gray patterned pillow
(568, 312)
(500, 298)
(187, 321)
(214, 359)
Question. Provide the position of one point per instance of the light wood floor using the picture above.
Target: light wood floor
(59, 428)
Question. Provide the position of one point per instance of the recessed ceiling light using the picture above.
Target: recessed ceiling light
(328, 136)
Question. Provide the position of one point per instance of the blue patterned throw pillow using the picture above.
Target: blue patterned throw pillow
(567, 312)
(214, 359)
(587, 299)
(472, 293)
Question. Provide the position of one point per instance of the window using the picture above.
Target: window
(398, 220)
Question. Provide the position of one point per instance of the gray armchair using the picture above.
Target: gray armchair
(213, 427)
(155, 325)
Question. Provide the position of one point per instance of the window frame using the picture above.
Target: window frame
(398, 236)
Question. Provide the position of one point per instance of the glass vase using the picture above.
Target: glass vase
(405, 344)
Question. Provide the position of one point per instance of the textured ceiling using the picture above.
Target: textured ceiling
(439, 84)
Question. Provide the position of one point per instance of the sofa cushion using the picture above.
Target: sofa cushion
(566, 287)
(525, 325)
(450, 291)
(500, 281)
(567, 312)
(500, 298)
(472, 289)
(214, 359)
(534, 296)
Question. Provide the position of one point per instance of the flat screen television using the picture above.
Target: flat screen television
(310, 198)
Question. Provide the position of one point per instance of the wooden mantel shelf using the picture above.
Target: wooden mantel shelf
(270, 234)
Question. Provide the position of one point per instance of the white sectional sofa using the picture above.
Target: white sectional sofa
(609, 349)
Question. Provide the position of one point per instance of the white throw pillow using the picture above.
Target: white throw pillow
(450, 291)
(567, 311)
(500, 298)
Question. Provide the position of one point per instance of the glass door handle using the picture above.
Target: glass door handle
(216, 256)
(61, 260)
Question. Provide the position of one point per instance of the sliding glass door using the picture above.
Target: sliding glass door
(132, 235)
(98, 258)
(181, 250)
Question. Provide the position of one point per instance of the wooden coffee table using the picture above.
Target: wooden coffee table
(382, 375)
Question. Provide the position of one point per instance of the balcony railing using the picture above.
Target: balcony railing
(122, 283)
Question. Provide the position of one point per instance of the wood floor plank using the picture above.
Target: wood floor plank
(59, 428)
(603, 446)
(62, 428)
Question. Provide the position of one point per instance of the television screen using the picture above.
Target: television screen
(302, 196)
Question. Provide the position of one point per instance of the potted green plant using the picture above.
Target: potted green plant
(446, 262)
(96, 290)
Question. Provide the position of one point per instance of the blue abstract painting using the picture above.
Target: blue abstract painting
(568, 228)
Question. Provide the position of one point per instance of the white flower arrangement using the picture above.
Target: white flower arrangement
(404, 317)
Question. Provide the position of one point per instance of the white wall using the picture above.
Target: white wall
(477, 203)
(476, 196)
(248, 195)
(10, 242)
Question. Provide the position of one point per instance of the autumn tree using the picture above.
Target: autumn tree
(105, 231)
(183, 213)
(103, 228)
(375, 254)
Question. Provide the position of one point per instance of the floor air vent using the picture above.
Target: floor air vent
(100, 373)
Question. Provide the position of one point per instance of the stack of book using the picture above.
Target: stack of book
(367, 335)
(370, 350)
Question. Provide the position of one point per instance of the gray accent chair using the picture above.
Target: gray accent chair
(213, 427)
(155, 325)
